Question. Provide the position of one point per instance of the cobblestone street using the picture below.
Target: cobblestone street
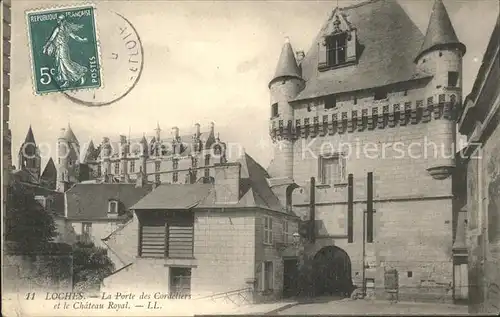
(359, 307)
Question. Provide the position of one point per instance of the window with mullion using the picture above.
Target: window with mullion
(336, 50)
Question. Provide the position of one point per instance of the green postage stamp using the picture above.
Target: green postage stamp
(64, 49)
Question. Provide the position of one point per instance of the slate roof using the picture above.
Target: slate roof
(90, 201)
(440, 30)
(70, 136)
(388, 41)
(287, 64)
(254, 192)
(49, 175)
(174, 196)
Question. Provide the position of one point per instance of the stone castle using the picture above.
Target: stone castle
(371, 79)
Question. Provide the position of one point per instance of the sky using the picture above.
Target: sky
(205, 62)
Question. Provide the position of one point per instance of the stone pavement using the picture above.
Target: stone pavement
(359, 307)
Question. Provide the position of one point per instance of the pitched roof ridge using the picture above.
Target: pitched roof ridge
(360, 4)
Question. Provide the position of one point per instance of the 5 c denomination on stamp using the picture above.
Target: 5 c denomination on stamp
(64, 49)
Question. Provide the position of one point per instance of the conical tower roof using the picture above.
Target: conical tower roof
(30, 138)
(287, 64)
(440, 31)
(91, 152)
(70, 136)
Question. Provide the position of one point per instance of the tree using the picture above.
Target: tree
(91, 265)
(27, 223)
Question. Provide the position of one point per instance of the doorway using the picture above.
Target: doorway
(332, 272)
(290, 277)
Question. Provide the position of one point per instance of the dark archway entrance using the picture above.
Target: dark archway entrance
(332, 272)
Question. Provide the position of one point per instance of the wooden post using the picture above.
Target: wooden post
(369, 208)
(350, 209)
(312, 211)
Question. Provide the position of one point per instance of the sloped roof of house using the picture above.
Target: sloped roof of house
(254, 192)
(388, 40)
(90, 201)
(56, 198)
(174, 196)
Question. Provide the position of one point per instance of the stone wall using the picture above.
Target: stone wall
(47, 269)
(483, 178)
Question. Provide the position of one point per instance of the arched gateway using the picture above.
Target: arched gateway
(332, 272)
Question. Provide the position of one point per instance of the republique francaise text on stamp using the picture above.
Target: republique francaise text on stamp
(64, 49)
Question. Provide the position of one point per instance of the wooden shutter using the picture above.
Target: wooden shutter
(180, 240)
(322, 58)
(153, 241)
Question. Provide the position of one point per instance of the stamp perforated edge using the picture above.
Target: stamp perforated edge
(30, 48)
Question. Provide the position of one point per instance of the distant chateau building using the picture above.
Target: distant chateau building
(178, 159)
(371, 79)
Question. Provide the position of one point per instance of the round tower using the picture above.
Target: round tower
(62, 161)
(106, 156)
(441, 56)
(286, 84)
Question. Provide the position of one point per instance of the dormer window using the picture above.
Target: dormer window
(113, 207)
(336, 49)
(380, 95)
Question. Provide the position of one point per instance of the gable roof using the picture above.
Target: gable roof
(90, 201)
(388, 42)
(440, 30)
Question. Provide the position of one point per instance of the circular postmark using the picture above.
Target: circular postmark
(122, 61)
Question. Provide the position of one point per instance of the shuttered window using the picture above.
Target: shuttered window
(180, 239)
(153, 241)
(167, 234)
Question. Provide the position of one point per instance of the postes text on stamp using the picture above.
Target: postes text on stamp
(64, 49)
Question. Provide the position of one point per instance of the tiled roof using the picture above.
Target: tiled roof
(254, 192)
(388, 40)
(90, 201)
(174, 196)
(440, 30)
(287, 64)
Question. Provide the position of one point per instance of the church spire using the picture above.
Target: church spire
(30, 138)
(287, 64)
(70, 135)
(440, 32)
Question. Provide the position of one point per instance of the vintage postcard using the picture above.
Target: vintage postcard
(182, 158)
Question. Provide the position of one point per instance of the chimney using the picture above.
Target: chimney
(197, 127)
(175, 133)
(227, 183)
(212, 126)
